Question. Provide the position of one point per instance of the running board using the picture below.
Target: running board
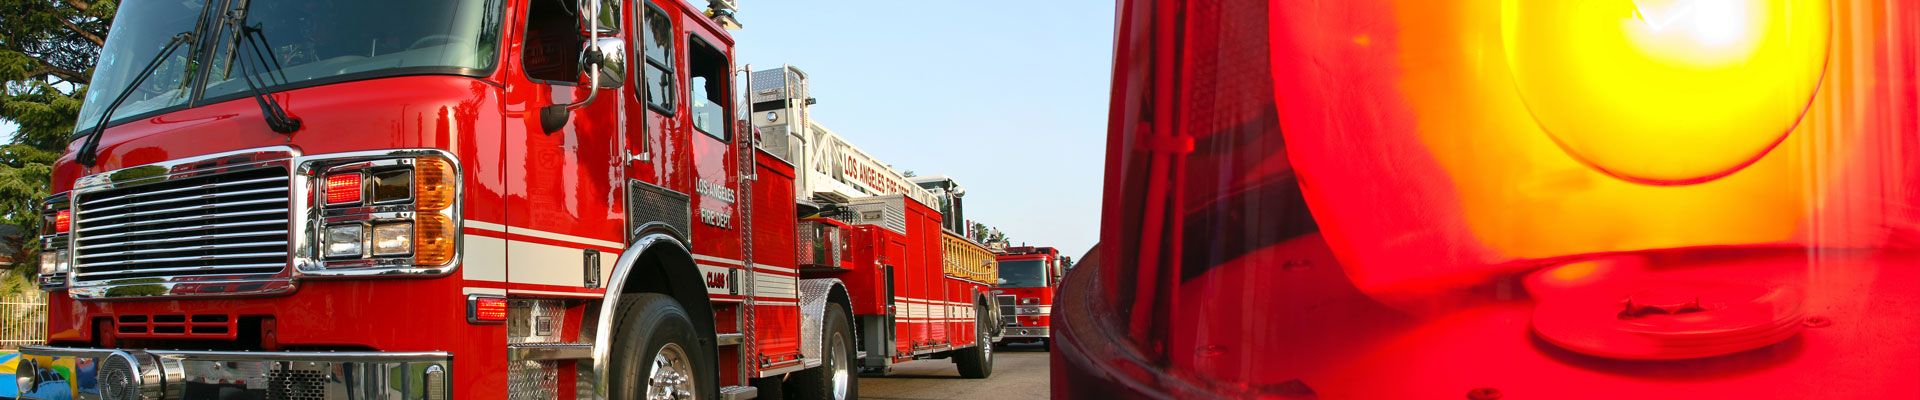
(739, 392)
(549, 351)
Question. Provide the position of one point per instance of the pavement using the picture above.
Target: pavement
(1019, 372)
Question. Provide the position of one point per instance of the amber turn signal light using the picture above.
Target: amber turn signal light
(433, 184)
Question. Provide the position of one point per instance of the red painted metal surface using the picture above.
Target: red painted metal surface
(535, 203)
(1350, 200)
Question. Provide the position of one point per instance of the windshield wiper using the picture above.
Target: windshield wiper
(86, 154)
(277, 117)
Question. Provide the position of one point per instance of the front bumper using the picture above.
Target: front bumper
(1026, 332)
(56, 373)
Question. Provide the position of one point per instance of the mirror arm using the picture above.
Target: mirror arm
(553, 117)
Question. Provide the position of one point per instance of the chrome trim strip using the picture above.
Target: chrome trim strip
(549, 351)
(183, 189)
(187, 218)
(179, 249)
(208, 257)
(771, 371)
(180, 199)
(182, 269)
(307, 261)
(189, 228)
(138, 174)
(609, 305)
(189, 238)
(188, 208)
(729, 339)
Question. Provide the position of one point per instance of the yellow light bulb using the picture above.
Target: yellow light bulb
(1666, 91)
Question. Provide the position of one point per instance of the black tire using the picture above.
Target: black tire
(647, 324)
(836, 377)
(976, 362)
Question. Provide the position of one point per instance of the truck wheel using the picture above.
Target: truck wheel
(976, 362)
(655, 355)
(835, 378)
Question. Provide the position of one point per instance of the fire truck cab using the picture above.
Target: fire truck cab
(474, 199)
(1029, 275)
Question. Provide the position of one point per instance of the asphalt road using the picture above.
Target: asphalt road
(1019, 372)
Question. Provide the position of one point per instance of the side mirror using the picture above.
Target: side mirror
(603, 60)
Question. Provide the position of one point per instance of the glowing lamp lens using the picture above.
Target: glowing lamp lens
(432, 240)
(489, 309)
(343, 188)
(345, 241)
(433, 182)
(1667, 91)
(63, 221)
(393, 239)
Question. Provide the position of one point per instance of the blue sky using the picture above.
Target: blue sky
(1007, 97)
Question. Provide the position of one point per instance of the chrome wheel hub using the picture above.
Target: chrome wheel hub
(986, 348)
(670, 376)
(836, 359)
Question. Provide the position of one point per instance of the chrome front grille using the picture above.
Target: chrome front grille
(224, 223)
(1006, 309)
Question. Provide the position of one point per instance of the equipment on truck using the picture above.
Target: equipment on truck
(560, 201)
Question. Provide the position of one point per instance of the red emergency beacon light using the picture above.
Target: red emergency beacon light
(1401, 199)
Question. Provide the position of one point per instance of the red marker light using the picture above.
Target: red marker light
(343, 188)
(62, 221)
(489, 309)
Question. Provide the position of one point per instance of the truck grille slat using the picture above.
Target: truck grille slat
(184, 269)
(184, 249)
(189, 208)
(229, 223)
(282, 211)
(272, 190)
(139, 194)
(208, 257)
(180, 229)
(277, 232)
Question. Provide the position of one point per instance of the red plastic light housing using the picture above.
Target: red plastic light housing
(343, 188)
(489, 309)
(63, 221)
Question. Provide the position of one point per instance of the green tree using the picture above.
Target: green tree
(47, 52)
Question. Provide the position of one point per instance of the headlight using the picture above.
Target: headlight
(1029, 300)
(345, 241)
(55, 261)
(393, 239)
(395, 212)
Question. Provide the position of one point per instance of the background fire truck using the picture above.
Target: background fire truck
(479, 199)
(1028, 277)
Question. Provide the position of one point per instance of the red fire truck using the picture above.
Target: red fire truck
(476, 199)
(1028, 277)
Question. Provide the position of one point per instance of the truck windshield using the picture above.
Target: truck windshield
(1023, 274)
(137, 38)
(300, 43)
(317, 41)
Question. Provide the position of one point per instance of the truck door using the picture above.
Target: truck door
(562, 219)
(658, 187)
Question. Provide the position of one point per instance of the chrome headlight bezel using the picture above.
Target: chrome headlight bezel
(373, 211)
(54, 245)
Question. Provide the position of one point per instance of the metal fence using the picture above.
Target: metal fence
(23, 320)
